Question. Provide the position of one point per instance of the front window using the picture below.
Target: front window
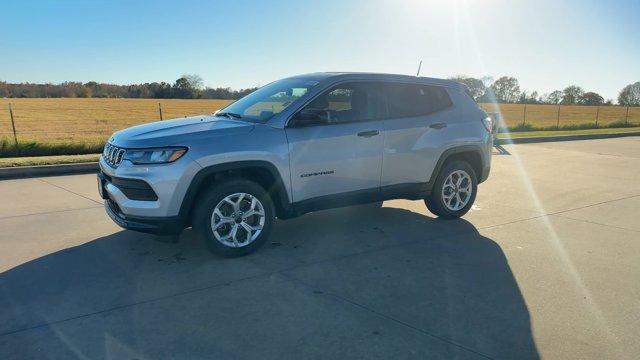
(344, 103)
(262, 104)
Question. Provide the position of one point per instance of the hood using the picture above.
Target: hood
(178, 131)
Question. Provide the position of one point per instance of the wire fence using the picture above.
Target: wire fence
(89, 120)
(559, 116)
(93, 120)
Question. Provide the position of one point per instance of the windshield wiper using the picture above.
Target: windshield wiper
(229, 115)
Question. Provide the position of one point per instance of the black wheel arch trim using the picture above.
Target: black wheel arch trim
(457, 150)
(278, 192)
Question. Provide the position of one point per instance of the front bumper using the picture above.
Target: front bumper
(161, 194)
(147, 198)
(159, 226)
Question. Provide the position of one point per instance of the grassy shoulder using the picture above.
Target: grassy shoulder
(33, 148)
(546, 133)
(47, 160)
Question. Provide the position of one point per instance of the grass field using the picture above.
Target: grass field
(90, 120)
(76, 126)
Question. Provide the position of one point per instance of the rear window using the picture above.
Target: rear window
(406, 100)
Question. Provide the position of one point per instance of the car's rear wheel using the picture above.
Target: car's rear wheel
(454, 191)
(234, 217)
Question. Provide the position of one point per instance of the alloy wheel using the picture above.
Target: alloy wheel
(456, 190)
(238, 220)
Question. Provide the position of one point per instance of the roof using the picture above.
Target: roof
(320, 76)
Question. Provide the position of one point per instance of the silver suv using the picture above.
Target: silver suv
(298, 145)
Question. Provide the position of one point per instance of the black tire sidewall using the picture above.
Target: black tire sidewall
(208, 202)
(435, 203)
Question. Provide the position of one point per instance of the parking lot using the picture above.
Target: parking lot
(545, 265)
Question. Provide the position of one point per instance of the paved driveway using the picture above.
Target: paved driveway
(545, 265)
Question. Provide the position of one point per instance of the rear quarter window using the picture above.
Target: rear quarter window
(406, 100)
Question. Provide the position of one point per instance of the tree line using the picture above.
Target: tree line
(186, 87)
(506, 89)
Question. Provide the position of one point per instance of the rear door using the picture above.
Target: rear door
(416, 131)
(340, 151)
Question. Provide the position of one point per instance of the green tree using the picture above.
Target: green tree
(571, 95)
(84, 92)
(506, 89)
(476, 86)
(630, 95)
(195, 81)
(526, 98)
(4, 91)
(188, 87)
(553, 98)
(591, 98)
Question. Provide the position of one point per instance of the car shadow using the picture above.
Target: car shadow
(442, 278)
(500, 150)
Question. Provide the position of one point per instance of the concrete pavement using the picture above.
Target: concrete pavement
(545, 265)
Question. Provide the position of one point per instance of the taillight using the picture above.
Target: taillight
(488, 123)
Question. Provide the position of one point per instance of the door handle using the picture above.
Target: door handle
(438, 125)
(368, 133)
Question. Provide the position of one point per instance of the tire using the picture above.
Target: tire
(448, 207)
(228, 216)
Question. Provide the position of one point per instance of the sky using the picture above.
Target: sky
(547, 45)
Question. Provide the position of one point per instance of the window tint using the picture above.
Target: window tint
(415, 100)
(357, 101)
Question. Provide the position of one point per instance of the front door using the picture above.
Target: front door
(336, 142)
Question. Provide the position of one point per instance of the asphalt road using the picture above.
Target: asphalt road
(545, 265)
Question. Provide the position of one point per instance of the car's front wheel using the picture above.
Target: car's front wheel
(234, 217)
(454, 191)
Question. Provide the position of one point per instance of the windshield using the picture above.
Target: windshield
(262, 104)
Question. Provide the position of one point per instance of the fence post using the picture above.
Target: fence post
(597, 115)
(626, 117)
(524, 115)
(558, 119)
(13, 125)
(160, 109)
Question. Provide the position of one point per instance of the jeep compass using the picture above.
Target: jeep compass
(298, 145)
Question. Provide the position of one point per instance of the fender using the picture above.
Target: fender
(278, 192)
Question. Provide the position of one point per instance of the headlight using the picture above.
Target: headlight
(154, 156)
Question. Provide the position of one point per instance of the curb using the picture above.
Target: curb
(532, 140)
(20, 172)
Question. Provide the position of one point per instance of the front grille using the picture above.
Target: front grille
(113, 155)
